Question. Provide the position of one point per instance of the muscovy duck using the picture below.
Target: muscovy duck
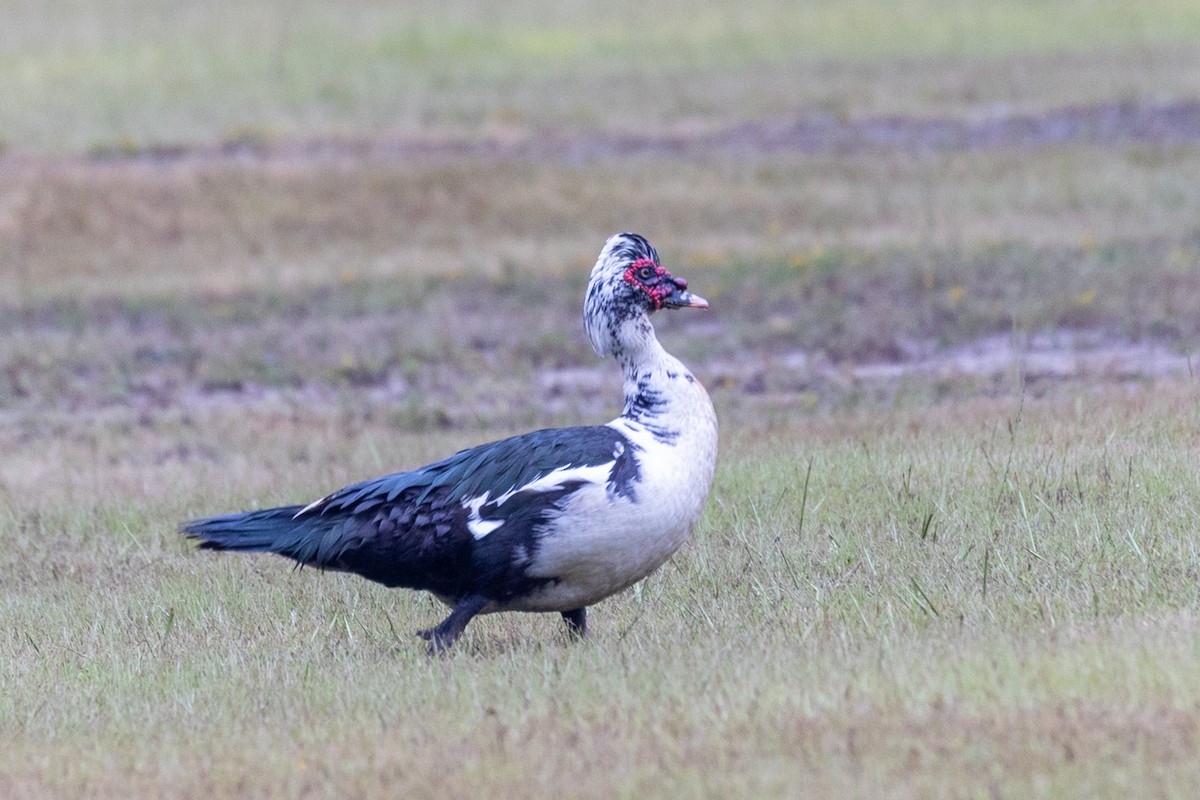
(553, 520)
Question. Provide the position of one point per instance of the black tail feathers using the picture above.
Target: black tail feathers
(273, 530)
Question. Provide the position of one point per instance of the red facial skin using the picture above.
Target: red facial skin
(659, 286)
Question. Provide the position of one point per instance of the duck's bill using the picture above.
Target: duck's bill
(681, 298)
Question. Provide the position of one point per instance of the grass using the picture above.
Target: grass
(81, 74)
(137, 230)
(999, 596)
(835, 310)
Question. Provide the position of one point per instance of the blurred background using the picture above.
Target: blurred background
(204, 197)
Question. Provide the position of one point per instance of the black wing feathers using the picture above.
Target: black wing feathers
(411, 528)
(488, 469)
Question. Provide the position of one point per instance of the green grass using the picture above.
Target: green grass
(80, 74)
(999, 596)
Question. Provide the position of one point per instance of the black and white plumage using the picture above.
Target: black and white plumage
(553, 520)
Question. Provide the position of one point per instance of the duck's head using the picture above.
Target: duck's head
(627, 285)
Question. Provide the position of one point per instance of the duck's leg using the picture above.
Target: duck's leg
(576, 620)
(445, 634)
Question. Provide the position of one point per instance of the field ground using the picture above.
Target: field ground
(249, 254)
(992, 596)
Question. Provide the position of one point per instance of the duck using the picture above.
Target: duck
(551, 521)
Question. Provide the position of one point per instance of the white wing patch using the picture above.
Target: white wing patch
(480, 527)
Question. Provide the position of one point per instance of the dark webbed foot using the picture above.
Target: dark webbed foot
(576, 623)
(446, 634)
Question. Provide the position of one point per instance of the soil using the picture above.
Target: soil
(809, 131)
(508, 367)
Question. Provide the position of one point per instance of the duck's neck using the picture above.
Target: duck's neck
(660, 392)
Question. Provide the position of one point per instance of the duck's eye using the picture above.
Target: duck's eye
(645, 273)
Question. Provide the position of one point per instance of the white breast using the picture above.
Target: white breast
(601, 544)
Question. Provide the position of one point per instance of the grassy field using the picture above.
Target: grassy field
(250, 252)
(83, 73)
(994, 597)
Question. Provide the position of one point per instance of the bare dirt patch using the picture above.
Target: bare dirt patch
(516, 355)
(808, 131)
